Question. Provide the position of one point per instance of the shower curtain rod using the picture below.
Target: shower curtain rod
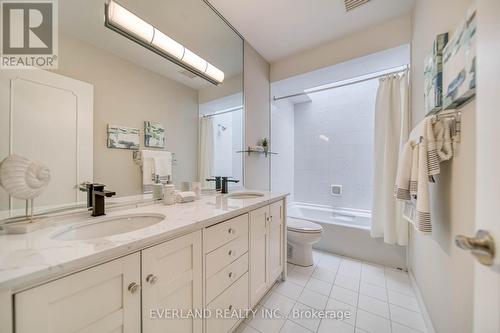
(237, 108)
(371, 77)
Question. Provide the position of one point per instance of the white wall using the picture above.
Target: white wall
(226, 142)
(126, 94)
(334, 145)
(374, 39)
(444, 273)
(282, 142)
(257, 117)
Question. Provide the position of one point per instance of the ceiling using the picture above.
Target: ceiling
(190, 22)
(279, 28)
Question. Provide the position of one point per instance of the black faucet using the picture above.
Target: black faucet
(218, 182)
(95, 197)
(226, 180)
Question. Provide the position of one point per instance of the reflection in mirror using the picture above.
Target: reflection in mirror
(115, 112)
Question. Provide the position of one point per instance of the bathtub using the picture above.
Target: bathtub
(347, 232)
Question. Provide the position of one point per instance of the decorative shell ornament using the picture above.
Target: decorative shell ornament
(22, 178)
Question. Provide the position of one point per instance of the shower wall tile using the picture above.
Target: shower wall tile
(333, 144)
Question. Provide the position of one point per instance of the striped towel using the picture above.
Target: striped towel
(402, 186)
(426, 169)
(414, 171)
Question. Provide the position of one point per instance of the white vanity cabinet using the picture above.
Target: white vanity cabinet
(266, 249)
(221, 268)
(226, 272)
(172, 280)
(105, 298)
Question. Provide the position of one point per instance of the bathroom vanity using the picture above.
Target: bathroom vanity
(216, 254)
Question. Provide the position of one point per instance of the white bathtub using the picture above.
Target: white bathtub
(347, 232)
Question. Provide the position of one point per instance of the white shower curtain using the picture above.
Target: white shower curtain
(391, 132)
(206, 151)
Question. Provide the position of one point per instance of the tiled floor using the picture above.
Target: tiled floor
(380, 299)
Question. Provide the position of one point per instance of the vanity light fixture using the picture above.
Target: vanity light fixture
(126, 23)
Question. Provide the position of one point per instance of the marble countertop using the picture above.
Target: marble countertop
(33, 258)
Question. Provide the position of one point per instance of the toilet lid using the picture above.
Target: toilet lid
(300, 225)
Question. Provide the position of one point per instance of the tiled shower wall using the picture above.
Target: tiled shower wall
(333, 144)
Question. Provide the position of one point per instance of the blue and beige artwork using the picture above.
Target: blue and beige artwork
(433, 75)
(459, 59)
(123, 137)
(154, 135)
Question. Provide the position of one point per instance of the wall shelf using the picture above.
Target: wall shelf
(251, 151)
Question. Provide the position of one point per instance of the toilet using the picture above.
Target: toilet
(301, 235)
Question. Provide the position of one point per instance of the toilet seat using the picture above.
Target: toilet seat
(303, 226)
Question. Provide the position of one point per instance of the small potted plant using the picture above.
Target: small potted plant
(265, 145)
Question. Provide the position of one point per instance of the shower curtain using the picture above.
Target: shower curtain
(391, 132)
(206, 151)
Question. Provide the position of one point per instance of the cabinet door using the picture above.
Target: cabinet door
(172, 280)
(258, 254)
(96, 300)
(275, 234)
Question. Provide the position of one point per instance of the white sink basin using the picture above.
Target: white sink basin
(245, 195)
(109, 226)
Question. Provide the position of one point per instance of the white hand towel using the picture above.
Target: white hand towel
(430, 142)
(414, 170)
(423, 214)
(442, 136)
(402, 187)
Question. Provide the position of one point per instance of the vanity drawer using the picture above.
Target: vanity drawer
(234, 298)
(224, 255)
(223, 279)
(225, 232)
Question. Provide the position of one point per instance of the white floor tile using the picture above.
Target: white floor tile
(291, 327)
(374, 305)
(407, 318)
(335, 305)
(398, 328)
(399, 286)
(350, 267)
(397, 274)
(289, 289)
(373, 277)
(313, 299)
(404, 301)
(304, 270)
(303, 319)
(359, 330)
(244, 328)
(319, 286)
(372, 323)
(344, 295)
(289, 267)
(347, 282)
(298, 278)
(265, 324)
(276, 301)
(324, 275)
(328, 265)
(373, 291)
(334, 326)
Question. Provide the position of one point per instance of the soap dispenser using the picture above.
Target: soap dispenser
(157, 189)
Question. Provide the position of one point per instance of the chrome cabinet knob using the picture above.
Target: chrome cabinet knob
(151, 279)
(230, 274)
(230, 231)
(230, 252)
(482, 246)
(134, 287)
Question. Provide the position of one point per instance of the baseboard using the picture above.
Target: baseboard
(420, 300)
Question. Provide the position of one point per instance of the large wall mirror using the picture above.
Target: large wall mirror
(111, 96)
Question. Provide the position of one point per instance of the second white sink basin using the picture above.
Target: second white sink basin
(109, 226)
(245, 195)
